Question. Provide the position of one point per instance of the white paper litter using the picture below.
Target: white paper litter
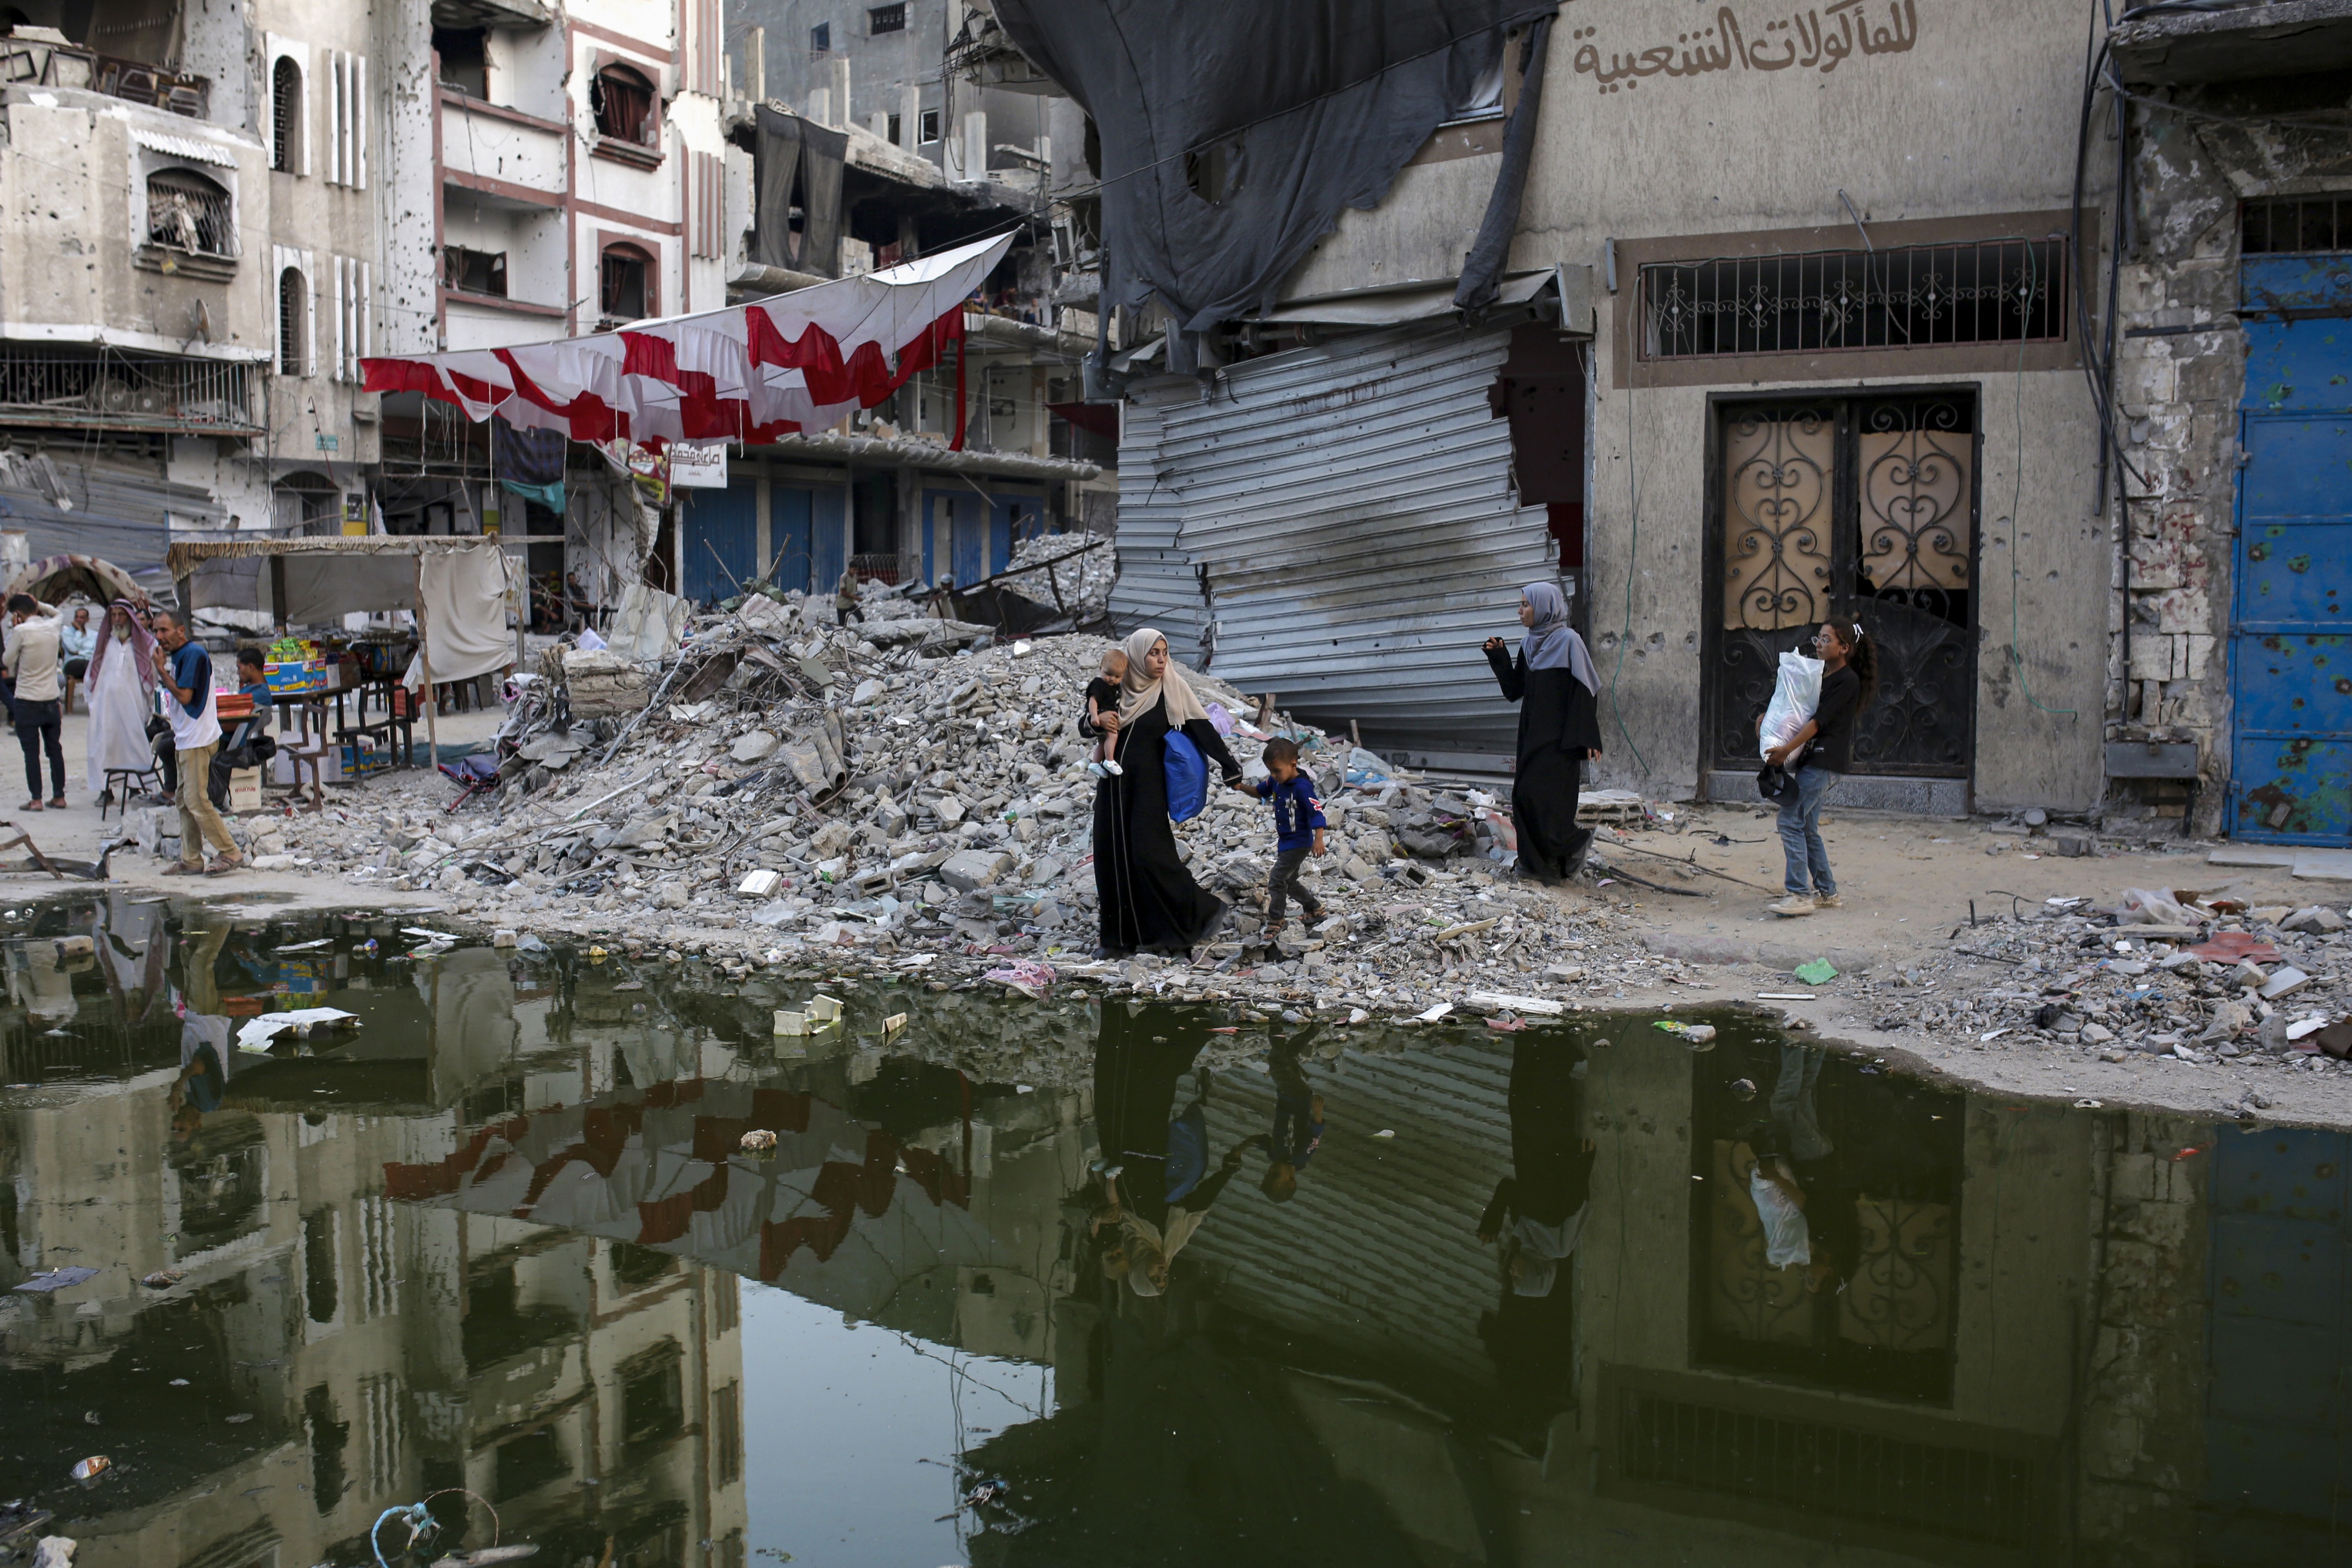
(257, 1033)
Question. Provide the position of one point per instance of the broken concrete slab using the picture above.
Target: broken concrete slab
(968, 871)
(2317, 919)
(2323, 866)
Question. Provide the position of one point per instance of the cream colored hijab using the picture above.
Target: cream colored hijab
(1138, 692)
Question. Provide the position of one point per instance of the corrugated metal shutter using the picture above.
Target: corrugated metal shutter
(1156, 585)
(1352, 505)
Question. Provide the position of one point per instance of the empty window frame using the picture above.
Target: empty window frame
(293, 322)
(898, 131)
(286, 116)
(2287, 225)
(929, 126)
(881, 19)
(186, 211)
(474, 271)
(465, 60)
(1923, 296)
(623, 100)
(626, 283)
(821, 38)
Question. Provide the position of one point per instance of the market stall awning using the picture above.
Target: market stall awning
(794, 362)
(464, 583)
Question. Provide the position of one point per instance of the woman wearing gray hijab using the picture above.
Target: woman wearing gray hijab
(1552, 679)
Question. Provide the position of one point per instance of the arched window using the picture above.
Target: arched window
(293, 339)
(186, 211)
(628, 283)
(286, 116)
(623, 100)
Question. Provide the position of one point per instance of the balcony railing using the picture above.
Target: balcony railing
(36, 63)
(106, 391)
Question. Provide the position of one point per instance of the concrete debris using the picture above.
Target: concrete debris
(780, 790)
(2096, 984)
(1077, 584)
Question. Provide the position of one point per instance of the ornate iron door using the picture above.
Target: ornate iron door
(1855, 509)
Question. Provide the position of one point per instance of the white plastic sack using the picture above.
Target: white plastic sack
(1787, 1238)
(1795, 696)
(2148, 907)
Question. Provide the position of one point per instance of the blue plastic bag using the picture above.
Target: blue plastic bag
(1188, 778)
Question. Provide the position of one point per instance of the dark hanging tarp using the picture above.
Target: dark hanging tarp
(1288, 112)
(790, 148)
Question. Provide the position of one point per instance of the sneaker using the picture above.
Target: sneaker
(1113, 769)
(1100, 770)
(1828, 901)
(1794, 904)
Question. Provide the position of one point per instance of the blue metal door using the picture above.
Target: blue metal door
(788, 538)
(2278, 1413)
(829, 538)
(721, 542)
(970, 540)
(2290, 643)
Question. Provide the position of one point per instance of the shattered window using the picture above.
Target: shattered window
(624, 102)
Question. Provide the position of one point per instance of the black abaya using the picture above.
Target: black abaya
(1149, 902)
(1558, 724)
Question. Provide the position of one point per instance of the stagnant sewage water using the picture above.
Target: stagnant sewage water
(499, 1248)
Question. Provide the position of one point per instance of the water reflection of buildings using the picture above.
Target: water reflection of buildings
(2061, 1336)
(323, 1351)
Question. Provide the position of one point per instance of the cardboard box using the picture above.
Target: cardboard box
(244, 789)
(292, 680)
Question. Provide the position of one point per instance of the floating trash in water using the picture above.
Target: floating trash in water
(89, 1470)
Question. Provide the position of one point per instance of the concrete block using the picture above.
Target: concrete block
(2184, 609)
(2201, 656)
(2152, 656)
(968, 869)
(753, 747)
(834, 839)
(2317, 918)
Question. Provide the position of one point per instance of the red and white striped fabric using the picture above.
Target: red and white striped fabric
(791, 363)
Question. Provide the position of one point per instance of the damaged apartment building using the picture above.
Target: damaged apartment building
(190, 213)
(992, 444)
(1675, 310)
(210, 217)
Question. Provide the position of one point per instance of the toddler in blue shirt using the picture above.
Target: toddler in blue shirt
(1298, 830)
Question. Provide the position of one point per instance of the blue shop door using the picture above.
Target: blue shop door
(721, 542)
(829, 536)
(2290, 643)
(2278, 1414)
(788, 538)
(1010, 519)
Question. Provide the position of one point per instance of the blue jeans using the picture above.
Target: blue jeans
(1800, 832)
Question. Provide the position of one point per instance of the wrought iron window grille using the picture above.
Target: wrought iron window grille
(1996, 291)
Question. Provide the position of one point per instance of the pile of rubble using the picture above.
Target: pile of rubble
(2203, 981)
(908, 791)
(1072, 576)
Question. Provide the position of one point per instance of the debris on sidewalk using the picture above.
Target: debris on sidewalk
(2167, 975)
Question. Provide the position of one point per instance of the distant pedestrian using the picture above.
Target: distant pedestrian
(31, 658)
(1298, 832)
(1552, 679)
(845, 600)
(195, 736)
(1816, 757)
(1102, 698)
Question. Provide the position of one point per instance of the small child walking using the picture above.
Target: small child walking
(1102, 697)
(1298, 830)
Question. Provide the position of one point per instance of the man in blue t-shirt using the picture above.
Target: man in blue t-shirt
(1298, 830)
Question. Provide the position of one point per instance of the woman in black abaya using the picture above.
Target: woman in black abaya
(1552, 681)
(1148, 900)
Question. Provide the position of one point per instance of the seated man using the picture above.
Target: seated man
(76, 642)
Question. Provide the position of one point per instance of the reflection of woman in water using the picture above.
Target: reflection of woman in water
(1156, 1184)
(1537, 1216)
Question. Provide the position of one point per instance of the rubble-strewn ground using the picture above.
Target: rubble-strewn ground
(960, 845)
